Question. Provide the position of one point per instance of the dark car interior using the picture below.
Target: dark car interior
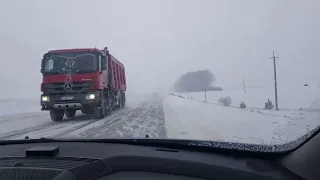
(45, 159)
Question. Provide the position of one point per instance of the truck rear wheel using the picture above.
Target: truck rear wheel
(70, 113)
(56, 115)
(120, 102)
(123, 99)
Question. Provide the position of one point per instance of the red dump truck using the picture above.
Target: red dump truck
(90, 80)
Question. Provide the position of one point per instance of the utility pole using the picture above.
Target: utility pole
(275, 80)
(244, 86)
(205, 95)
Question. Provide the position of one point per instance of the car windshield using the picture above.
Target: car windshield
(60, 63)
(239, 74)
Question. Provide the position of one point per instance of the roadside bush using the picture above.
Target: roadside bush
(197, 81)
(225, 101)
(180, 96)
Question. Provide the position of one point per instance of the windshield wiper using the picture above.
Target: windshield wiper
(83, 70)
(146, 141)
(54, 72)
(27, 140)
(164, 143)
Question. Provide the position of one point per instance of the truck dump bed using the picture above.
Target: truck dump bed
(118, 73)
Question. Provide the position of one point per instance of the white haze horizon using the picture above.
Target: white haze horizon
(159, 41)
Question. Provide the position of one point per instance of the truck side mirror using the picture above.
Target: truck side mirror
(42, 65)
(42, 62)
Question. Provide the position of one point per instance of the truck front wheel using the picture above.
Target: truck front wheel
(100, 112)
(70, 113)
(56, 115)
(87, 111)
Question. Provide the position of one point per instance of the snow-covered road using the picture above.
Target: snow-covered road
(163, 116)
(136, 120)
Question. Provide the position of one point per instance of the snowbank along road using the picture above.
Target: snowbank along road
(193, 119)
(138, 120)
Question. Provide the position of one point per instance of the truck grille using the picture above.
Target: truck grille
(59, 88)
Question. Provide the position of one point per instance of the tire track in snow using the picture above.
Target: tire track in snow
(73, 129)
(108, 122)
(15, 133)
(8, 118)
(47, 127)
(147, 119)
(81, 126)
(56, 129)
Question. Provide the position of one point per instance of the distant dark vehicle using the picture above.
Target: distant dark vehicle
(242, 105)
(306, 85)
(268, 105)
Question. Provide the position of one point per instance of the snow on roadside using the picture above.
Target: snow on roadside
(187, 119)
(21, 113)
(11, 106)
(18, 122)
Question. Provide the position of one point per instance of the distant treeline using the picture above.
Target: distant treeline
(196, 82)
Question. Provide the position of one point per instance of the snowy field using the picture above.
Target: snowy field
(187, 119)
(18, 106)
(193, 119)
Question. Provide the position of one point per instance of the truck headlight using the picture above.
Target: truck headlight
(90, 96)
(45, 99)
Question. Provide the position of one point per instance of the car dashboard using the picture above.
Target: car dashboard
(101, 161)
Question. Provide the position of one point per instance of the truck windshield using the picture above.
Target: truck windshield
(70, 62)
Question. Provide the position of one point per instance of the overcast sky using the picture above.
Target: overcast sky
(159, 40)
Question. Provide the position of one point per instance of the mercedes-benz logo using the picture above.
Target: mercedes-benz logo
(67, 86)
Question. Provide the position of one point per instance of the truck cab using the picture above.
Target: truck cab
(90, 80)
